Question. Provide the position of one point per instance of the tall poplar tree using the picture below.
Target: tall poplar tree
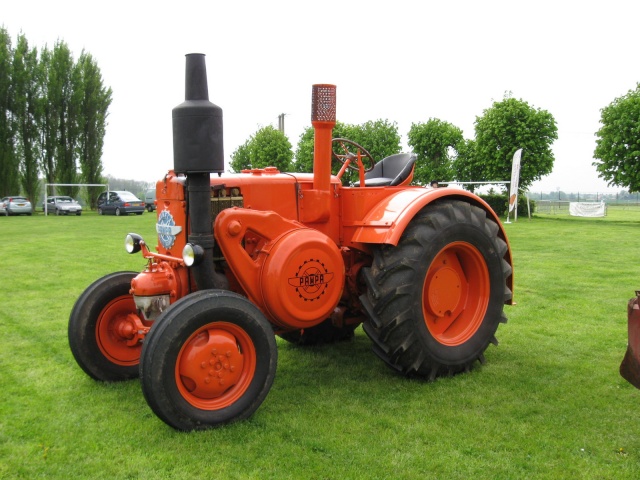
(26, 102)
(63, 80)
(48, 119)
(94, 101)
(9, 182)
(52, 118)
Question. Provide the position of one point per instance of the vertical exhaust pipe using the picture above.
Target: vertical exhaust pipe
(198, 152)
(197, 124)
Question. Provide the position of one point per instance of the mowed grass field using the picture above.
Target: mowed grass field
(549, 402)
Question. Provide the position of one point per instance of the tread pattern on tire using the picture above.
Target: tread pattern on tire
(394, 324)
(166, 338)
(82, 328)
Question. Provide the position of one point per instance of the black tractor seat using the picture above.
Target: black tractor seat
(390, 171)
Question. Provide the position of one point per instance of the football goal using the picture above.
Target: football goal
(47, 185)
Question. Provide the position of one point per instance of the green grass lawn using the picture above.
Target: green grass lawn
(549, 402)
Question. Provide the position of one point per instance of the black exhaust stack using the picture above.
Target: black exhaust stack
(198, 152)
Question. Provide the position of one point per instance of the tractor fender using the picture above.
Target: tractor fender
(387, 220)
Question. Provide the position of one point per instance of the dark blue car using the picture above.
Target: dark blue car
(119, 203)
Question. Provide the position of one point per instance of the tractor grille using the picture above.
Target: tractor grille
(222, 198)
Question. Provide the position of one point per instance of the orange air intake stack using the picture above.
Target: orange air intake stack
(323, 119)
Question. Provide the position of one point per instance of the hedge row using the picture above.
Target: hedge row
(500, 203)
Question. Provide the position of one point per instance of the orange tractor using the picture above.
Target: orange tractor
(242, 258)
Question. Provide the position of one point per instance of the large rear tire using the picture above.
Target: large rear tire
(102, 325)
(436, 299)
(209, 359)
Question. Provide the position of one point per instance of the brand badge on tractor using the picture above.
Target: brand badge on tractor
(167, 229)
(311, 280)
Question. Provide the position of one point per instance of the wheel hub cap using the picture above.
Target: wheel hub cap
(444, 292)
(211, 364)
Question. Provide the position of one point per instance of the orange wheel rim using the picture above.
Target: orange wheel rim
(215, 366)
(455, 294)
(115, 329)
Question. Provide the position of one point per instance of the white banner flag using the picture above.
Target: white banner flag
(515, 178)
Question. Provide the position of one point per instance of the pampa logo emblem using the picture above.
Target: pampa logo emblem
(167, 229)
(311, 280)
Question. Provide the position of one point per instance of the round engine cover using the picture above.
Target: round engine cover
(302, 278)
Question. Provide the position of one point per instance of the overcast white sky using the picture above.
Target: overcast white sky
(404, 61)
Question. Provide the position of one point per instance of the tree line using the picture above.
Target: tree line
(443, 154)
(54, 117)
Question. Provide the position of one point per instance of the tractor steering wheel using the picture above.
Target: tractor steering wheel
(343, 153)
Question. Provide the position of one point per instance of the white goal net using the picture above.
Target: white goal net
(47, 185)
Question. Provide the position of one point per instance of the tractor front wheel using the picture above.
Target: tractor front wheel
(209, 359)
(103, 329)
(435, 300)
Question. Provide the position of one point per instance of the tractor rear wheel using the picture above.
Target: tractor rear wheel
(102, 329)
(436, 299)
(209, 359)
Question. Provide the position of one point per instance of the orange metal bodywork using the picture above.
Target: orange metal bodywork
(295, 274)
(273, 228)
(293, 243)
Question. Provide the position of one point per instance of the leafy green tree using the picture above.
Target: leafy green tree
(467, 167)
(618, 142)
(94, 101)
(267, 148)
(53, 115)
(304, 150)
(507, 126)
(380, 138)
(9, 176)
(241, 157)
(49, 118)
(26, 98)
(436, 143)
(63, 94)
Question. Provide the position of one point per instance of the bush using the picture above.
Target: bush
(499, 203)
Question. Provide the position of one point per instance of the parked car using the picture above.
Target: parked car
(119, 203)
(16, 205)
(150, 200)
(62, 205)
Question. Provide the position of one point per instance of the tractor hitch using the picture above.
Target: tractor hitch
(630, 366)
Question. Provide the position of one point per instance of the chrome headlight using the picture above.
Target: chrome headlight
(132, 243)
(192, 254)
